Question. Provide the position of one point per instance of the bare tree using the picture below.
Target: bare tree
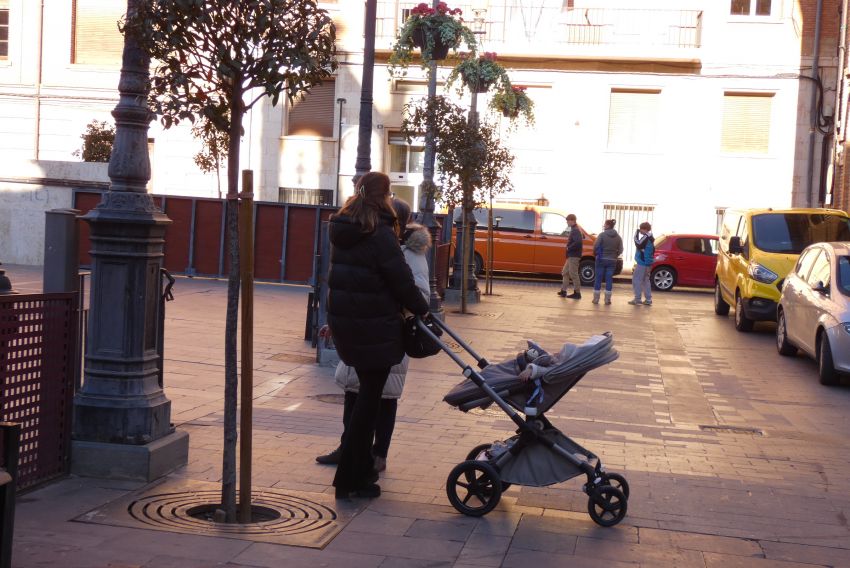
(216, 59)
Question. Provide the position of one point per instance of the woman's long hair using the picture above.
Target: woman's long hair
(371, 199)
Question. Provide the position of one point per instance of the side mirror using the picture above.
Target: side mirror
(735, 245)
(821, 289)
(497, 219)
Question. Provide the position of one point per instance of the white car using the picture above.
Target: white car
(814, 310)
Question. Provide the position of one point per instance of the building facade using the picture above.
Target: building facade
(666, 110)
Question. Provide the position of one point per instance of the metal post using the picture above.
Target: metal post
(364, 140)
(246, 241)
(341, 101)
(61, 254)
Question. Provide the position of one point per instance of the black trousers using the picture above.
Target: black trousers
(384, 426)
(356, 468)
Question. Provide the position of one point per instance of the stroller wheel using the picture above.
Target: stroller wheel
(473, 455)
(474, 488)
(617, 481)
(607, 505)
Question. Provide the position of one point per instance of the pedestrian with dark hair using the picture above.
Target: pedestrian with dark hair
(644, 257)
(569, 272)
(608, 248)
(370, 283)
(415, 242)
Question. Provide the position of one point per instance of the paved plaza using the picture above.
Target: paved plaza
(735, 456)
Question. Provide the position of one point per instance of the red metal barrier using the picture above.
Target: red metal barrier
(302, 235)
(37, 340)
(209, 221)
(268, 242)
(178, 235)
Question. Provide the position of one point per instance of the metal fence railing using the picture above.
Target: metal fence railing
(306, 196)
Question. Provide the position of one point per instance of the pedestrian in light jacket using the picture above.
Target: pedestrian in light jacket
(644, 257)
(370, 283)
(570, 271)
(608, 248)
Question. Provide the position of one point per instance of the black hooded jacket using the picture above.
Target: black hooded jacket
(369, 283)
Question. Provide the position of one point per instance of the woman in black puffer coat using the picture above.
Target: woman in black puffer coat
(370, 283)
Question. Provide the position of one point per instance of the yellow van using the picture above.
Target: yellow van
(758, 248)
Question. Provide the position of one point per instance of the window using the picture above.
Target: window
(95, 39)
(4, 29)
(746, 123)
(843, 280)
(820, 271)
(710, 247)
(633, 119)
(312, 114)
(406, 158)
(520, 221)
(790, 233)
(690, 245)
(750, 7)
(554, 224)
(804, 265)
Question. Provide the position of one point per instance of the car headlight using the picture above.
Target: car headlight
(660, 257)
(760, 273)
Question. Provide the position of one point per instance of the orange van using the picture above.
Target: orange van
(529, 238)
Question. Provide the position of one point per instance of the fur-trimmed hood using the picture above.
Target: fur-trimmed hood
(416, 238)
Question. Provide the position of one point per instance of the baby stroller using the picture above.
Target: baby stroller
(539, 454)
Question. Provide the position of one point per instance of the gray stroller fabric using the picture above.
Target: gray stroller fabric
(560, 373)
(536, 465)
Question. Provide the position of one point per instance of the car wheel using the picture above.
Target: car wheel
(587, 272)
(826, 368)
(479, 265)
(742, 322)
(782, 344)
(721, 308)
(663, 279)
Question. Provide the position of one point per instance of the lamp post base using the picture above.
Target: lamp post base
(454, 295)
(133, 462)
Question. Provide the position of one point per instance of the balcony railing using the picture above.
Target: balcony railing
(515, 26)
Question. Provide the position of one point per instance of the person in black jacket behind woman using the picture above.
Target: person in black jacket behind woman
(370, 283)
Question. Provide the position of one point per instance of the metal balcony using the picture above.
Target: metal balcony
(516, 27)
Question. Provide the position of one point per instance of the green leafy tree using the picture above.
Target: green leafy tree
(215, 59)
(97, 142)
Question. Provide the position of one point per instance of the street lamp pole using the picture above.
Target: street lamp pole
(428, 189)
(363, 164)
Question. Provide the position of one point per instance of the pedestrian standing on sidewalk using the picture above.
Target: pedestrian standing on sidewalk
(570, 270)
(415, 242)
(608, 248)
(644, 257)
(369, 283)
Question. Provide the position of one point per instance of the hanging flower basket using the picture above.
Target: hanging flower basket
(479, 73)
(434, 31)
(512, 101)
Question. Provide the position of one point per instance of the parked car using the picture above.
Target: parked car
(758, 248)
(814, 310)
(684, 260)
(530, 238)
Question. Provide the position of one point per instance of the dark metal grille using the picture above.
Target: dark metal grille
(37, 340)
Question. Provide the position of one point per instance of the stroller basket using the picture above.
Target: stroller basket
(539, 454)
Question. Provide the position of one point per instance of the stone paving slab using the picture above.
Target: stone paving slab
(735, 456)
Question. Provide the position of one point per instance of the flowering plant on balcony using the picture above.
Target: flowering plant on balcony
(479, 72)
(434, 31)
(513, 101)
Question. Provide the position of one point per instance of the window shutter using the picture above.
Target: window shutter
(312, 114)
(632, 119)
(95, 36)
(746, 123)
(4, 29)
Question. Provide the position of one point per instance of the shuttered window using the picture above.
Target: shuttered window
(313, 113)
(4, 29)
(633, 119)
(746, 123)
(95, 39)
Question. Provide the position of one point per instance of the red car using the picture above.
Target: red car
(684, 260)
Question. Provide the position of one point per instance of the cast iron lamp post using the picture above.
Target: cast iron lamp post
(363, 164)
(122, 418)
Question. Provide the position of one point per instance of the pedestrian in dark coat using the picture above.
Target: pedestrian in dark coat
(370, 283)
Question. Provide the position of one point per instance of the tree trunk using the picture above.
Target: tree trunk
(231, 379)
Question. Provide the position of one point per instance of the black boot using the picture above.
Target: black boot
(331, 458)
(575, 295)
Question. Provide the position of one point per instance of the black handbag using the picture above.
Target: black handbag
(417, 343)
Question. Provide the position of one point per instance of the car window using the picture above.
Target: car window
(710, 247)
(820, 271)
(554, 224)
(660, 241)
(790, 233)
(512, 220)
(843, 280)
(728, 228)
(688, 244)
(804, 265)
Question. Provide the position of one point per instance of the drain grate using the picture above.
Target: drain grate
(732, 429)
(291, 518)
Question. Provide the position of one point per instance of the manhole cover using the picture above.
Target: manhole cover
(291, 518)
(330, 398)
(732, 429)
(293, 358)
(491, 315)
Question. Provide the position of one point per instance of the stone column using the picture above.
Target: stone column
(122, 418)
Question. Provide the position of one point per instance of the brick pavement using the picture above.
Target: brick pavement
(735, 456)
